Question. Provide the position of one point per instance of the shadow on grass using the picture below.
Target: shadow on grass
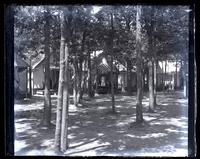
(93, 128)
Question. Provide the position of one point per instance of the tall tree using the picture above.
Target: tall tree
(111, 64)
(155, 79)
(76, 80)
(47, 96)
(61, 84)
(151, 86)
(81, 73)
(129, 77)
(89, 73)
(65, 117)
(61, 133)
(151, 53)
(139, 114)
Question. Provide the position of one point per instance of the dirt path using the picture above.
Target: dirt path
(94, 131)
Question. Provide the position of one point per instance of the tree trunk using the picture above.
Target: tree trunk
(47, 96)
(155, 61)
(139, 115)
(30, 81)
(176, 75)
(152, 67)
(75, 88)
(163, 88)
(112, 84)
(129, 79)
(60, 86)
(129, 64)
(151, 86)
(165, 73)
(155, 81)
(81, 60)
(78, 83)
(85, 77)
(123, 82)
(64, 120)
(111, 65)
(185, 81)
(181, 74)
(89, 76)
(96, 71)
(81, 80)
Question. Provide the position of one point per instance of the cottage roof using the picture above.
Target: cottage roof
(36, 61)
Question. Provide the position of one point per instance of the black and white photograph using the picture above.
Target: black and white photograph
(101, 80)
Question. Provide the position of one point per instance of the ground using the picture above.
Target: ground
(94, 131)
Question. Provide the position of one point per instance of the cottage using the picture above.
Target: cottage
(38, 69)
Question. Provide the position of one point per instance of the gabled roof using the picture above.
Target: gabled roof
(36, 61)
(104, 67)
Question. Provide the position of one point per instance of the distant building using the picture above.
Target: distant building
(103, 81)
(169, 79)
(100, 75)
(38, 69)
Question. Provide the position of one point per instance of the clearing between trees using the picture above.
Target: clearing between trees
(95, 131)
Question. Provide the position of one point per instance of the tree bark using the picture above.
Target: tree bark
(176, 75)
(123, 82)
(30, 81)
(76, 82)
(163, 86)
(112, 85)
(96, 71)
(152, 69)
(111, 66)
(60, 86)
(151, 86)
(89, 76)
(129, 79)
(165, 72)
(139, 114)
(81, 60)
(64, 120)
(155, 80)
(47, 96)
(84, 76)
(185, 81)
(182, 83)
(81, 80)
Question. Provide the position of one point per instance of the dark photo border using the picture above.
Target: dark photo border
(9, 71)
